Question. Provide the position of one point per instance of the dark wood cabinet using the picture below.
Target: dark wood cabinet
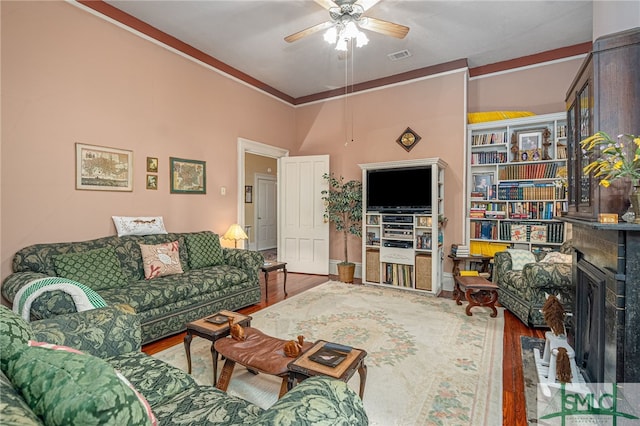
(604, 96)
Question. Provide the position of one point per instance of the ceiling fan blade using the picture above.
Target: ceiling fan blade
(327, 4)
(384, 27)
(311, 30)
(367, 4)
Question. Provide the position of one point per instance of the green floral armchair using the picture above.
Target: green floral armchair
(522, 288)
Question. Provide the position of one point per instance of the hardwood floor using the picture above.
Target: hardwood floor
(513, 403)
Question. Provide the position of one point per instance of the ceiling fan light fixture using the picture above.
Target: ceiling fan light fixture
(331, 35)
(342, 44)
(361, 39)
(350, 30)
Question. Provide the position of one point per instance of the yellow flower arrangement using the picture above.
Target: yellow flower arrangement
(616, 159)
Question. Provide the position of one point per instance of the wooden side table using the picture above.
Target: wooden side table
(485, 260)
(478, 292)
(270, 267)
(302, 367)
(212, 332)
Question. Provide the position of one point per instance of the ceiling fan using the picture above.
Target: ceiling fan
(346, 17)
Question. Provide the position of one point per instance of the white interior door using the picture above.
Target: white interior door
(304, 234)
(267, 212)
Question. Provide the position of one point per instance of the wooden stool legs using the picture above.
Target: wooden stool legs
(227, 372)
(225, 375)
(486, 298)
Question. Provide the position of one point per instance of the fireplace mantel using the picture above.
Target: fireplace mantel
(606, 270)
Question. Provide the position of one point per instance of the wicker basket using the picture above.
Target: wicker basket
(423, 272)
(373, 266)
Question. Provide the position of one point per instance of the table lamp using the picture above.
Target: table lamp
(235, 233)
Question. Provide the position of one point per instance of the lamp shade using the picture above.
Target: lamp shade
(235, 232)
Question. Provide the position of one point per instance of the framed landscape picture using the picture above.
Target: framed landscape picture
(188, 176)
(100, 168)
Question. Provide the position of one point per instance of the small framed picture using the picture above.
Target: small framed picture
(248, 194)
(482, 182)
(152, 165)
(530, 155)
(152, 181)
(424, 221)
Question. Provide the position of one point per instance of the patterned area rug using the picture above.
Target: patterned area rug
(429, 363)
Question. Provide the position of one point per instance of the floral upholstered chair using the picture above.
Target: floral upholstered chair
(524, 279)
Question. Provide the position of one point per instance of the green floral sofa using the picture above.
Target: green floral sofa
(45, 386)
(522, 288)
(213, 278)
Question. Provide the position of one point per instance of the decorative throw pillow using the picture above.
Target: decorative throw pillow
(143, 225)
(557, 257)
(161, 259)
(98, 269)
(67, 388)
(519, 258)
(204, 250)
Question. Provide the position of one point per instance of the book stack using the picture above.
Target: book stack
(458, 250)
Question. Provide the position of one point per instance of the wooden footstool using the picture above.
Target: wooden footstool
(478, 292)
(258, 353)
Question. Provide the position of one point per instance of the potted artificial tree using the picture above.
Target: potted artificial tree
(343, 208)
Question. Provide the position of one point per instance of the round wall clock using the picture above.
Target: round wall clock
(408, 139)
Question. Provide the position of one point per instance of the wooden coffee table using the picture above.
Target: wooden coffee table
(212, 332)
(478, 292)
(302, 367)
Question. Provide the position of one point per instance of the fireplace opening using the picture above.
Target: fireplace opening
(589, 338)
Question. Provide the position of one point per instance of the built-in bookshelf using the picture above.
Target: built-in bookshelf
(517, 181)
(405, 250)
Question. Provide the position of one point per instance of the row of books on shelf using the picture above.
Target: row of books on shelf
(552, 232)
(489, 138)
(561, 152)
(536, 210)
(397, 274)
(489, 157)
(459, 250)
(423, 242)
(561, 131)
(548, 170)
(480, 213)
(528, 190)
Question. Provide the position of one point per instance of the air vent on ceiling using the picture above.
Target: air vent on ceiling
(396, 56)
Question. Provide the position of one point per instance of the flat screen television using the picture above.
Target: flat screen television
(399, 190)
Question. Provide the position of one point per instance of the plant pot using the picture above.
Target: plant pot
(346, 272)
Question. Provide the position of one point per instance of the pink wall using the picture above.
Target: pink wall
(67, 77)
(539, 89)
(434, 108)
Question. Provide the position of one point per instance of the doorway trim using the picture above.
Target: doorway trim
(247, 146)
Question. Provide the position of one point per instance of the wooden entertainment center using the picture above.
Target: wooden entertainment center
(404, 248)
